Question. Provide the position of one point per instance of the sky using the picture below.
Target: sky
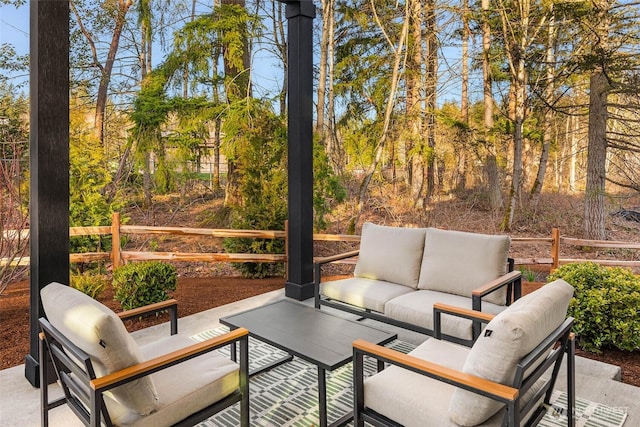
(267, 75)
(14, 28)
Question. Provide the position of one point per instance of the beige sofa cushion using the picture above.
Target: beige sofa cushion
(458, 262)
(100, 333)
(364, 293)
(510, 336)
(392, 254)
(416, 308)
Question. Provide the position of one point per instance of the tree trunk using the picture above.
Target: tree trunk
(327, 5)
(466, 33)
(548, 114)
(461, 181)
(493, 180)
(334, 148)
(599, 88)
(573, 147)
(519, 89)
(215, 184)
(414, 141)
(279, 37)
(237, 86)
(391, 101)
(431, 84)
(105, 79)
(594, 197)
(495, 193)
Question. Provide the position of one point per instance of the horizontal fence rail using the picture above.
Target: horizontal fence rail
(118, 255)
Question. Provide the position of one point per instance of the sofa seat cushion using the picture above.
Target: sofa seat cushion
(100, 333)
(513, 333)
(414, 400)
(392, 254)
(364, 293)
(417, 308)
(458, 262)
(185, 388)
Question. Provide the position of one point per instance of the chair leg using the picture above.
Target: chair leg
(358, 389)
(244, 381)
(44, 387)
(571, 380)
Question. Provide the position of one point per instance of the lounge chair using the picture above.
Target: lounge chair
(109, 380)
(505, 379)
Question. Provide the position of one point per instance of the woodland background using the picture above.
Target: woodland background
(491, 103)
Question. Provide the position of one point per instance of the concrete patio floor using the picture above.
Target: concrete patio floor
(20, 402)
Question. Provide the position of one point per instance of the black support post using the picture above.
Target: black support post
(300, 15)
(49, 159)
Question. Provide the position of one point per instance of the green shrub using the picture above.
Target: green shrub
(143, 283)
(605, 305)
(528, 275)
(90, 284)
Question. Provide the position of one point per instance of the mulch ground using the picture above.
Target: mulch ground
(193, 294)
(199, 294)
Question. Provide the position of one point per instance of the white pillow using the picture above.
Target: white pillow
(509, 337)
(458, 262)
(392, 254)
(100, 333)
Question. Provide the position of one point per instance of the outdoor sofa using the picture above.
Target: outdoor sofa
(402, 272)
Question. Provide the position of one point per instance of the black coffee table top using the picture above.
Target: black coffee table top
(303, 331)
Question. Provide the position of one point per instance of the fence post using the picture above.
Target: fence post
(115, 239)
(555, 248)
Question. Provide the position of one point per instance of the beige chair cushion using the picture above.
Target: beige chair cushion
(416, 308)
(100, 333)
(414, 400)
(392, 254)
(510, 336)
(183, 389)
(458, 262)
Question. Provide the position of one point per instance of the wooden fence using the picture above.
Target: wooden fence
(117, 256)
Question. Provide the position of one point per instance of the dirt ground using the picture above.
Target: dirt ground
(193, 295)
(199, 294)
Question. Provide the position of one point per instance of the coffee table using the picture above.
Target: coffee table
(310, 334)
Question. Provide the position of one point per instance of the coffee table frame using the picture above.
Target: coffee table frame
(310, 334)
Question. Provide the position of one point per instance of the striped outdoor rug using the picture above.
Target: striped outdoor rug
(288, 394)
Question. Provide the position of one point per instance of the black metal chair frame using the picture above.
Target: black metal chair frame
(560, 342)
(83, 392)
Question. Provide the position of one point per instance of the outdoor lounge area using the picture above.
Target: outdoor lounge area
(277, 359)
(287, 394)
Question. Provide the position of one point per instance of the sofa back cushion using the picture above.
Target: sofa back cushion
(392, 254)
(100, 333)
(458, 262)
(509, 337)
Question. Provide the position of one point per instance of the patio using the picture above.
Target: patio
(19, 401)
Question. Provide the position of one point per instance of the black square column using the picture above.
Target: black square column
(49, 159)
(300, 15)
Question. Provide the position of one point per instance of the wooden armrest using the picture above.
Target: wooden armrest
(161, 362)
(496, 284)
(463, 312)
(151, 308)
(470, 382)
(337, 257)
